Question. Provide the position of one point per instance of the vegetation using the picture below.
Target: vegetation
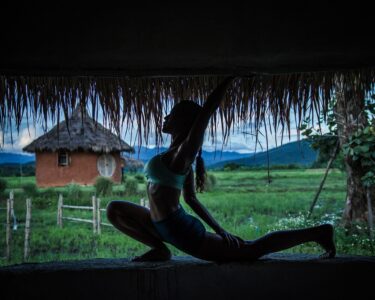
(210, 182)
(74, 191)
(131, 186)
(3, 185)
(350, 144)
(9, 170)
(103, 186)
(242, 202)
(361, 148)
(30, 189)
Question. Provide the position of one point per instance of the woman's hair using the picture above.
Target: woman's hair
(200, 172)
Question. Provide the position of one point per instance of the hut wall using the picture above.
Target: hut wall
(82, 169)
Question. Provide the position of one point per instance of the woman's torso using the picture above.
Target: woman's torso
(164, 200)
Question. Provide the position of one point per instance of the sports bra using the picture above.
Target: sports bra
(157, 172)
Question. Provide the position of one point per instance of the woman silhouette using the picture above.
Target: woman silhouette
(166, 221)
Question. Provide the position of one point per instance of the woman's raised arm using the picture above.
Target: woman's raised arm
(195, 137)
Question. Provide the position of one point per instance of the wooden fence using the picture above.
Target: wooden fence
(96, 214)
(11, 215)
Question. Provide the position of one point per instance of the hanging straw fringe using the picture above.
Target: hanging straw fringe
(141, 102)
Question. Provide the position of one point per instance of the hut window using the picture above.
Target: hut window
(63, 158)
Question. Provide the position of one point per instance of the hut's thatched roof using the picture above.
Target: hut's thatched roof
(81, 133)
(133, 62)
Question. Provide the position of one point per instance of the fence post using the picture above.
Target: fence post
(94, 213)
(11, 197)
(99, 215)
(27, 229)
(9, 232)
(60, 211)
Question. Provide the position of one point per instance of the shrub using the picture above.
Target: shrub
(3, 185)
(210, 182)
(231, 167)
(140, 178)
(123, 178)
(49, 193)
(131, 187)
(74, 191)
(30, 189)
(103, 186)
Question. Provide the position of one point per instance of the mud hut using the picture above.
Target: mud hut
(77, 151)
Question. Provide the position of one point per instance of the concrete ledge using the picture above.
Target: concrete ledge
(277, 275)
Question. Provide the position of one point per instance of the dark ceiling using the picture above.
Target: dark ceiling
(157, 40)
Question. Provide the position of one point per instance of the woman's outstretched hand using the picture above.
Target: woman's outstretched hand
(230, 239)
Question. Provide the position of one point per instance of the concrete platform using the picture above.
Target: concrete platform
(278, 275)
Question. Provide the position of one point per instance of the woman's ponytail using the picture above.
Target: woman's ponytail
(200, 172)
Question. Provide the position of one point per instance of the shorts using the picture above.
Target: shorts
(182, 230)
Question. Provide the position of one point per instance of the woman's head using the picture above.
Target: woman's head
(181, 117)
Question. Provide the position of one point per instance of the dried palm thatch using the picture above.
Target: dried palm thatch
(80, 132)
(140, 102)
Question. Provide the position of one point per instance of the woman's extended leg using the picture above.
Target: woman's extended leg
(214, 248)
(135, 221)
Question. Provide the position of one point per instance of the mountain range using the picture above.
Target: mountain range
(291, 153)
(297, 153)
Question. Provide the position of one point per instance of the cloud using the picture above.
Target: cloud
(25, 137)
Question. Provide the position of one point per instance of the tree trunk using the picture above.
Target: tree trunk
(350, 117)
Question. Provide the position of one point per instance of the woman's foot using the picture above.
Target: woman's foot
(326, 240)
(155, 254)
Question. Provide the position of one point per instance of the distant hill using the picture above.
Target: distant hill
(299, 153)
(15, 158)
(291, 153)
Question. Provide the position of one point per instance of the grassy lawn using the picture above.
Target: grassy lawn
(241, 201)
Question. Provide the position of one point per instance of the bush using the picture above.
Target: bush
(123, 178)
(140, 178)
(210, 182)
(231, 167)
(131, 187)
(103, 186)
(30, 189)
(49, 193)
(3, 185)
(74, 191)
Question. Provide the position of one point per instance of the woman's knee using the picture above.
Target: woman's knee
(113, 208)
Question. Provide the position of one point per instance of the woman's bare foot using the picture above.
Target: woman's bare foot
(326, 240)
(155, 254)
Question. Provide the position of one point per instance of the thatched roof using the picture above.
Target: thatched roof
(140, 103)
(81, 133)
(134, 62)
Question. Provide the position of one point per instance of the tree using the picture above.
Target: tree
(350, 121)
(352, 116)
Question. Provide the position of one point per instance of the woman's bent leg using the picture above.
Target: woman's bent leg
(135, 221)
(214, 248)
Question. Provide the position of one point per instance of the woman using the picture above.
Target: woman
(170, 172)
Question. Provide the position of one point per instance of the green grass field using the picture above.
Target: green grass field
(242, 202)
